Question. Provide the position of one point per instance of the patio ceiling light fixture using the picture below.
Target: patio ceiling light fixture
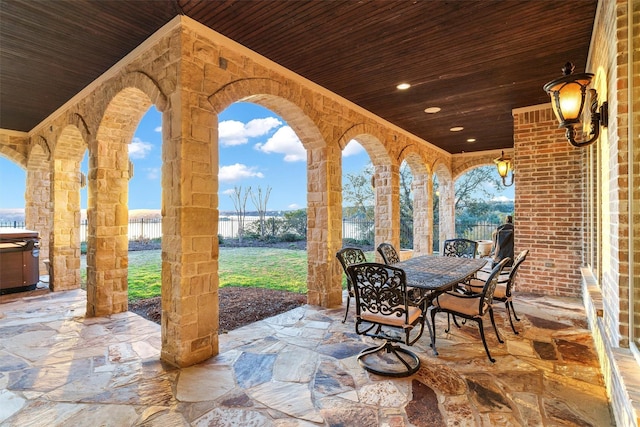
(504, 166)
(568, 94)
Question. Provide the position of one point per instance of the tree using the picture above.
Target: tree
(474, 183)
(358, 192)
(297, 221)
(240, 204)
(406, 197)
(260, 202)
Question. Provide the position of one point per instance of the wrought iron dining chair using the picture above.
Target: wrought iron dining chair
(349, 256)
(382, 309)
(389, 254)
(504, 288)
(471, 307)
(461, 248)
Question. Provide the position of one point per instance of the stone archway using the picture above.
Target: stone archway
(324, 231)
(422, 188)
(385, 179)
(108, 209)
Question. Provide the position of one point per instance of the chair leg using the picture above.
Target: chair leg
(432, 332)
(455, 321)
(495, 328)
(346, 312)
(484, 342)
(448, 323)
(510, 320)
(514, 311)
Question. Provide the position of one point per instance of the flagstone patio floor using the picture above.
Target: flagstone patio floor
(60, 368)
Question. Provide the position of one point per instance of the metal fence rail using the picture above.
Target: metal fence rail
(352, 229)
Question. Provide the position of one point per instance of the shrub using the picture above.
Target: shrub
(356, 242)
(290, 237)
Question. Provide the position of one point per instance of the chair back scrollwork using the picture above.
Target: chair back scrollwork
(349, 256)
(389, 254)
(461, 248)
(380, 290)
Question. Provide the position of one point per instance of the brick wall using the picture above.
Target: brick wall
(548, 204)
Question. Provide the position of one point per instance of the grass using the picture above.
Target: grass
(271, 268)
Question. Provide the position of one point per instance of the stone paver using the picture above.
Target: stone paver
(298, 369)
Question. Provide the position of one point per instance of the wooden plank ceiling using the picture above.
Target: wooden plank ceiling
(475, 60)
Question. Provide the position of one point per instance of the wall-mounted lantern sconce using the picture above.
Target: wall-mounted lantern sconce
(568, 95)
(504, 166)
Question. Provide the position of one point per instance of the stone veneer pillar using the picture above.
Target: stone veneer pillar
(38, 201)
(108, 218)
(189, 227)
(422, 187)
(65, 237)
(387, 205)
(447, 211)
(324, 226)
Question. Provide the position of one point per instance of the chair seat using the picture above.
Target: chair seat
(476, 285)
(392, 319)
(464, 306)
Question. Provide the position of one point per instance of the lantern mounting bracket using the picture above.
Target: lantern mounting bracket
(599, 117)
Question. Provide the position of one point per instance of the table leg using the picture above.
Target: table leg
(432, 332)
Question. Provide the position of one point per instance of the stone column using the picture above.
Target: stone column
(190, 316)
(108, 219)
(38, 203)
(65, 236)
(447, 211)
(422, 188)
(324, 226)
(387, 205)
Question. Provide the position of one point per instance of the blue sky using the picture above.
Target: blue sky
(256, 149)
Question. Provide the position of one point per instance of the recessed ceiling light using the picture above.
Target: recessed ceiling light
(456, 129)
(471, 140)
(403, 86)
(432, 110)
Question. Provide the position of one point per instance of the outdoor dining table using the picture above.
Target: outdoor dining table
(439, 273)
(433, 275)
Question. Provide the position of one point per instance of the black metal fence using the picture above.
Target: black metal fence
(356, 230)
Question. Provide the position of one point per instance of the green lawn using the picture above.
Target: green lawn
(273, 268)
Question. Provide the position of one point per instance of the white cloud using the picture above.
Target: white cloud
(138, 149)
(229, 191)
(158, 129)
(259, 127)
(285, 141)
(353, 148)
(233, 132)
(153, 173)
(237, 172)
(294, 206)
